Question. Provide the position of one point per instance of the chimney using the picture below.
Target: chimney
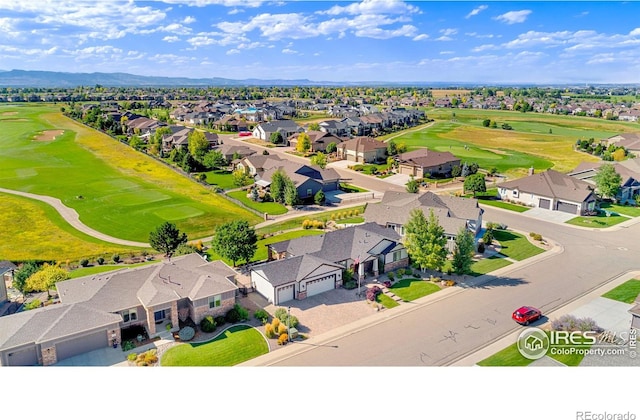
(531, 171)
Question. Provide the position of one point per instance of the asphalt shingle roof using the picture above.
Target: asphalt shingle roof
(551, 184)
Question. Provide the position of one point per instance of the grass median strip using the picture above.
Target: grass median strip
(627, 292)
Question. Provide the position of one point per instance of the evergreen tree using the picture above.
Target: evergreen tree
(463, 251)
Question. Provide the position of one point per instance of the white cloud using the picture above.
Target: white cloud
(420, 37)
(476, 11)
(444, 38)
(484, 47)
(235, 11)
(227, 3)
(289, 51)
(446, 52)
(233, 51)
(513, 17)
(635, 32)
(171, 38)
(373, 7)
(448, 31)
(189, 20)
(378, 33)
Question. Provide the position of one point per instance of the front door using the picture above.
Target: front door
(159, 316)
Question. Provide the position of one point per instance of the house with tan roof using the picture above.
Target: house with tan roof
(96, 310)
(319, 140)
(423, 163)
(629, 171)
(363, 150)
(630, 141)
(308, 179)
(550, 190)
(452, 212)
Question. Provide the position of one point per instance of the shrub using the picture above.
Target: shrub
(536, 237)
(373, 292)
(115, 258)
(306, 224)
(572, 323)
(243, 312)
(148, 358)
(283, 339)
(128, 345)
(282, 329)
(292, 321)
(132, 357)
(262, 315)
(391, 276)
(100, 260)
(220, 320)
(318, 224)
(280, 313)
(32, 305)
(276, 323)
(186, 334)
(169, 326)
(488, 236)
(84, 262)
(268, 330)
(481, 247)
(208, 324)
(350, 285)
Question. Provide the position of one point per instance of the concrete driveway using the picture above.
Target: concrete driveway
(397, 179)
(549, 215)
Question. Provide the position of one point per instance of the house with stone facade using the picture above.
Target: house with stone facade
(363, 150)
(95, 310)
(307, 266)
(423, 163)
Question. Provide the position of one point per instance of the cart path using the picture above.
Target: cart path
(71, 216)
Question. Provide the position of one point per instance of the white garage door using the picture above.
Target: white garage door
(318, 286)
(80, 345)
(25, 357)
(285, 294)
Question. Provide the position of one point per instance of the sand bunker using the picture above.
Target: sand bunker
(48, 135)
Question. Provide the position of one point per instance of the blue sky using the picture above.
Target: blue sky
(371, 40)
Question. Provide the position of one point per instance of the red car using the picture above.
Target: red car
(526, 315)
(244, 133)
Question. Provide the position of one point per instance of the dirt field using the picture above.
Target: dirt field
(48, 135)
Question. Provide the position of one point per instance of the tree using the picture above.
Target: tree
(314, 126)
(607, 180)
(464, 172)
(475, 183)
(319, 159)
(463, 251)
(135, 142)
(276, 138)
(22, 274)
(236, 241)
(392, 150)
(45, 278)
(241, 178)
(332, 147)
(290, 193)
(425, 240)
(214, 159)
(412, 186)
(167, 238)
(456, 170)
(486, 122)
(304, 143)
(198, 145)
(277, 186)
(319, 198)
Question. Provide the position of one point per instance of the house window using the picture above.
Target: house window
(130, 315)
(215, 301)
(397, 256)
(309, 192)
(516, 193)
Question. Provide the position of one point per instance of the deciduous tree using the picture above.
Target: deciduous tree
(475, 183)
(304, 143)
(425, 240)
(45, 278)
(198, 144)
(607, 181)
(319, 159)
(463, 251)
(167, 238)
(236, 241)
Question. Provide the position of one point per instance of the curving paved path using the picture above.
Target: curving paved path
(72, 217)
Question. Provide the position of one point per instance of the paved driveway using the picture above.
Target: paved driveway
(549, 215)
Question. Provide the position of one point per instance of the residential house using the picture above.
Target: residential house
(422, 163)
(95, 310)
(285, 127)
(630, 141)
(256, 164)
(7, 269)
(310, 265)
(319, 140)
(550, 190)
(452, 212)
(230, 152)
(629, 171)
(635, 314)
(307, 179)
(337, 128)
(631, 115)
(363, 150)
(180, 139)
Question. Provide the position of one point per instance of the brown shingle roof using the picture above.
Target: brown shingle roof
(551, 184)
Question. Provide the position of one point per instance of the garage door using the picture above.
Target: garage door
(318, 286)
(26, 357)
(285, 294)
(544, 203)
(406, 170)
(80, 345)
(567, 207)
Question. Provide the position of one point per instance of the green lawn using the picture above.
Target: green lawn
(348, 188)
(386, 301)
(487, 265)
(411, 289)
(515, 245)
(297, 221)
(351, 220)
(97, 269)
(627, 292)
(504, 205)
(509, 356)
(630, 211)
(269, 207)
(115, 189)
(236, 345)
(598, 222)
(221, 179)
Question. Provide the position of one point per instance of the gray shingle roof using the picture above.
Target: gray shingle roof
(425, 158)
(293, 269)
(551, 184)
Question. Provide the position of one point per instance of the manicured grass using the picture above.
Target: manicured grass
(504, 205)
(296, 222)
(352, 220)
(221, 179)
(386, 301)
(515, 245)
(630, 211)
(509, 356)
(236, 345)
(487, 265)
(115, 189)
(97, 269)
(348, 188)
(627, 292)
(412, 289)
(34, 230)
(269, 207)
(600, 221)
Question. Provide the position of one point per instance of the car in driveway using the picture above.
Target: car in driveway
(526, 315)
(245, 133)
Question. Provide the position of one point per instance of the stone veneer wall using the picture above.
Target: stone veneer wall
(204, 310)
(48, 356)
(398, 264)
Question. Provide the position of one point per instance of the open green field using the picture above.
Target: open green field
(268, 207)
(115, 189)
(537, 140)
(32, 230)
